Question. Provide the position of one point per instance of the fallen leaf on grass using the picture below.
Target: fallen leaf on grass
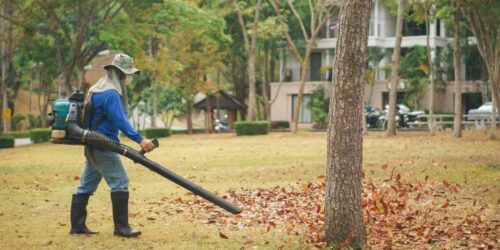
(223, 236)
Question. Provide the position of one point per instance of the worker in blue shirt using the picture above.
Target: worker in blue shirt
(107, 116)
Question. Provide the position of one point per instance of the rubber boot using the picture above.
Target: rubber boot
(79, 214)
(120, 215)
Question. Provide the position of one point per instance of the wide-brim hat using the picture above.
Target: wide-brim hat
(124, 63)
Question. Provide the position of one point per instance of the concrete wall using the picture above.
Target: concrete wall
(281, 109)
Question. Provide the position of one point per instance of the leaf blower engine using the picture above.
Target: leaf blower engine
(68, 128)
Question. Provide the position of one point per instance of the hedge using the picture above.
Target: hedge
(280, 124)
(16, 134)
(6, 142)
(38, 135)
(252, 128)
(157, 132)
(185, 132)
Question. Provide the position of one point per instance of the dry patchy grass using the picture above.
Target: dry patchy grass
(36, 183)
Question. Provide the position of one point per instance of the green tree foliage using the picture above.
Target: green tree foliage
(414, 69)
(319, 106)
(170, 104)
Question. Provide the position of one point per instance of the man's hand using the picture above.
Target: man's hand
(147, 145)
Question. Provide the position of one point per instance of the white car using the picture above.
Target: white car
(481, 113)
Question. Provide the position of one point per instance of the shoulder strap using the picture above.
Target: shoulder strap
(87, 112)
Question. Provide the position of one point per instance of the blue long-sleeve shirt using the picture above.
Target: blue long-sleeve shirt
(109, 103)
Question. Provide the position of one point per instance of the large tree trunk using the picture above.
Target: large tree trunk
(391, 119)
(344, 216)
(457, 118)
(430, 122)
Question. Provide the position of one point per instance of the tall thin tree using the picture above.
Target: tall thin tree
(344, 216)
(427, 10)
(250, 44)
(6, 60)
(391, 120)
(457, 118)
(319, 13)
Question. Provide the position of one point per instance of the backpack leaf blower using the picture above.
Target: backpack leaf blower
(67, 128)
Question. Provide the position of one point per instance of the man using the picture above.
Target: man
(107, 116)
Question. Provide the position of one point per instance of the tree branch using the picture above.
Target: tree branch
(323, 21)
(285, 31)
(313, 14)
(243, 27)
(255, 25)
(296, 14)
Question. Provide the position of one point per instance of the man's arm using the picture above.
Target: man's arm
(115, 111)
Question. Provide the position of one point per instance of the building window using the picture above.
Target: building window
(305, 109)
(438, 27)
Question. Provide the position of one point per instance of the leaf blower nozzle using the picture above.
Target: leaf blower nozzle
(71, 132)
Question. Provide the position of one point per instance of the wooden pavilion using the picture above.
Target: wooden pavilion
(221, 100)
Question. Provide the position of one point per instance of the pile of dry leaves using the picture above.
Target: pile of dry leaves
(396, 213)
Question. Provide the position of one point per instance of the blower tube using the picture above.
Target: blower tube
(97, 139)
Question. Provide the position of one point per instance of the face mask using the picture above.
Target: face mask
(128, 79)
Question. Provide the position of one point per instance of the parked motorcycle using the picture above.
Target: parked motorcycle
(371, 116)
(404, 116)
(221, 126)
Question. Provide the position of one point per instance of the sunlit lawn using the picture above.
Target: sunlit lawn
(36, 183)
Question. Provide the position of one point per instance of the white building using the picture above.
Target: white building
(381, 34)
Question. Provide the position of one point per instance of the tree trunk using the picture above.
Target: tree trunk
(189, 122)
(457, 118)
(151, 52)
(155, 107)
(208, 115)
(303, 71)
(6, 57)
(479, 19)
(272, 64)
(391, 119)
(265, 95)
(493, 127)
(344, 216)
(252, 101)
(43, 99)
(430, 121)
(365, 123)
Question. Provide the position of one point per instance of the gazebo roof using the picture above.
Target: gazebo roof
(225, 101)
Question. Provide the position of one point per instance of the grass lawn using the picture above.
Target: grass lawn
(36, 183)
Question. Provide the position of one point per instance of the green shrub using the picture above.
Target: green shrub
(252, 128)
(38, 135)
(16, 134)
(6, 142)
(16, 121)
(280, 124)
(157, 132)
(34, 121)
